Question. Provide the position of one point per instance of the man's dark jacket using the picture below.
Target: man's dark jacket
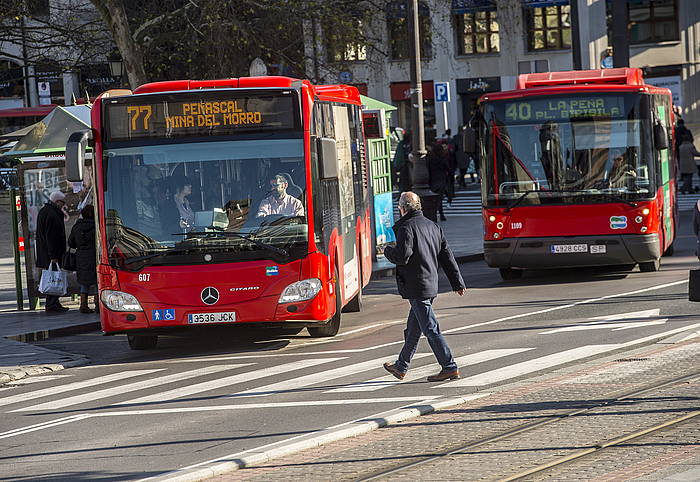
(50, 235)
(420, 248)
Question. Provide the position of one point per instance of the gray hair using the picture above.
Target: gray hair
(409, 202)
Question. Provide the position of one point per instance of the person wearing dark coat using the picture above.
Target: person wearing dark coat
(82, 239)
(439, 172)
(402, 165)
(51, 241)
(696, 227)
(420, 249)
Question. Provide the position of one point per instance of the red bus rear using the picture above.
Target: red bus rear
(233, 201)
(578, 170)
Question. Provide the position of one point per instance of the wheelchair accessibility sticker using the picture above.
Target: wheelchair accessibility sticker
(167, 314)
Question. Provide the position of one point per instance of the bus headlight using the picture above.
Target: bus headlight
(645, 211)
(301, 291)
(492, 218)
(120, 301)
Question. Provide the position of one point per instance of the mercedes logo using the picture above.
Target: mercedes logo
(210, 295)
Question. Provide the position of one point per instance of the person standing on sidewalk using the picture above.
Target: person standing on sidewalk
(420, 248)
(82, 238)
(686, 154)
(51, 241)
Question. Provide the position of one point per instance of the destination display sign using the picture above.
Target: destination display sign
(564, 109)
(194, 114)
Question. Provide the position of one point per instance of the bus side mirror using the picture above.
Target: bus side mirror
(75, 154)
(327, 157)
(660, 137)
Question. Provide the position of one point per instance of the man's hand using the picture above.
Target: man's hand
(461, 291)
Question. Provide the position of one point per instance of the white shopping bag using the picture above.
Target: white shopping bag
(53, 281)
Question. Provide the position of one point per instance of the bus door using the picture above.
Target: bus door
(661, 113)
(346, 187)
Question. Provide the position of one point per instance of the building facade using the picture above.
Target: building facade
(481, 46)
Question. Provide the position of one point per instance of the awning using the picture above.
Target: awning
(49, 136)
(371, 103)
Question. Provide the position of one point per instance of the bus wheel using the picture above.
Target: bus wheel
(142, 342)
(510, 273)
(650, 266)
(669, 251)
(331, 327)
(355, 304)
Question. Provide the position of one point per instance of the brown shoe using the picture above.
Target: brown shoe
(444, 375)
(391, 368)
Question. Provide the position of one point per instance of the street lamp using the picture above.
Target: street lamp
(421, 177)
(116, 66)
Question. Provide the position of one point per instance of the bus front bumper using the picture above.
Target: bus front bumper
(536, 253)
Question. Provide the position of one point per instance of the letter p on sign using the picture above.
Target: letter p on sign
(442, 91)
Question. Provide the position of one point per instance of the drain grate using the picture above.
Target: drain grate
(631, 359)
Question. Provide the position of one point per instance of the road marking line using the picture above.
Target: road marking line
(417, 373)
(108, 392)
(74, 386)
(321, 377)
(213, 408)
(223, 382)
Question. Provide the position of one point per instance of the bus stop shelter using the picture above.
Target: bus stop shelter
(40, 165)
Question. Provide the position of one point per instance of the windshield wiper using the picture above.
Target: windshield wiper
(564, 191)
(519, 199)
(136, 259)
(269, 247)
(619, 198)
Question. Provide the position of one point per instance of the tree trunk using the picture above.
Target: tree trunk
(114, 15)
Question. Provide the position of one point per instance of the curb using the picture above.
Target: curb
(261, 455)
(40, 335)
(31, 370)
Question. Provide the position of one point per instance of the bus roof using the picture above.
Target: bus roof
(549, 83)
(332, 93)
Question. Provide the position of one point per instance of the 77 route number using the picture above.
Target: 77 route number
(144, 276)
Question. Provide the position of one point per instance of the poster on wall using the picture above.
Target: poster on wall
(39, 180)
(384, 216)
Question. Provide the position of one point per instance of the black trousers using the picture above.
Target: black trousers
(52, 302)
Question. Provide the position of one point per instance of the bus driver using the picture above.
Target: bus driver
(279, 202)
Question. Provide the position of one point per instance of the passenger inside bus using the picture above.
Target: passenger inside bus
(176, 212)
(279, 200)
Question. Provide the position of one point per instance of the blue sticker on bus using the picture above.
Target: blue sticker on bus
(618, 222)
(272, 271)
(167, 314)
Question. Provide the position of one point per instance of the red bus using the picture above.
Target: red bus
(578, 170)
(233, 201)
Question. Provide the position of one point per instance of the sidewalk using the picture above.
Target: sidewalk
(511, 430)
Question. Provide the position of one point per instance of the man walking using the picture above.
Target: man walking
(51, 241)
(420, 248)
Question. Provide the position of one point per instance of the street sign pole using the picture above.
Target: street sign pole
(442, 95)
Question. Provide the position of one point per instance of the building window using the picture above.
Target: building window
(397, 26)
(477, 32)
(549, 28)
(345, 41)
(653, 21)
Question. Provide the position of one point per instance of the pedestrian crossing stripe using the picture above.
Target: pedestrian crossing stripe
(350, 376)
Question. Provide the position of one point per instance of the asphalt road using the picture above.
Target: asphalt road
(132, 415)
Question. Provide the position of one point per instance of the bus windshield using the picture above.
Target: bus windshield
(583, 148)
(204, 202)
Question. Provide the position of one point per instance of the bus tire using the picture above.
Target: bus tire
(142, 342)
(508, 274)
(670, 250)
(355, 304)
(650, 266)
(331, 327)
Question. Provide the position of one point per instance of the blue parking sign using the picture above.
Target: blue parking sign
(442, 91)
